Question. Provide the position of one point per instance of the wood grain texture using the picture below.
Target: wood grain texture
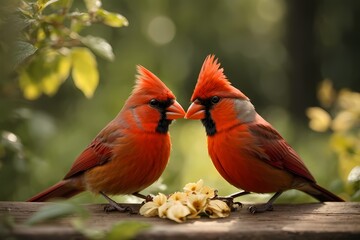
(294, 221)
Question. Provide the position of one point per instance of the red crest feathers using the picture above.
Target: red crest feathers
(212, 81)
(147, 84)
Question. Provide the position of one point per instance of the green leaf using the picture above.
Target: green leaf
(44, 74)
(42, 4)
(84, 72)
(62, 4)
(89, 233)
(53, 18)
(112, 19)
(30, 91)
(63, 67)
(100, 46)
(23, 50)
(50, 84)
(56, 211)
(30, 88)
(49, 2)
(126, 230)
(79, 21)
(59, 69)
(356, 196)
(25, 9)
(92, 5)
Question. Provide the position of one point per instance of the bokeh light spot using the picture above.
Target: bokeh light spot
(161, 30)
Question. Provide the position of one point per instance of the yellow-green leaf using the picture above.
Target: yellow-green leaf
(84, 72)
(112, 19)
(44, 74)
(25, 9)
(30, 90)
(82, 20)
(50, 84)
(62, 4)
(341, 143)
(92, 5)
(42, 4)
(63, 68)
(59, 66)
(31, 77)
(100, 46)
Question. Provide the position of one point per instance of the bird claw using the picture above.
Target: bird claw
(119, 208)
(130, 210)
(252, 209)
(260, 208)
(148, 198)
(235, 206)
(114, 206)
(108, 208)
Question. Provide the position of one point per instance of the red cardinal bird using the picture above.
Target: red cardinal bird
(245, 149)
(131, 152)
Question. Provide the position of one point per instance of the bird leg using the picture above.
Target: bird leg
(114, 206)
(147, 198)
(264, 207)
(229, 200)
(238, 194)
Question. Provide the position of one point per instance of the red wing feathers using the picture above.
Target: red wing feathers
(97, 153)
(277, 151)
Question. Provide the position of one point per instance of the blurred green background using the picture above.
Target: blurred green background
(276, 51)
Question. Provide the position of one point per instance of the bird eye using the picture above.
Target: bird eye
(154, 102)
(215, 99)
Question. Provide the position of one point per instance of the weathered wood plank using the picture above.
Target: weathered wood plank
(295, 221)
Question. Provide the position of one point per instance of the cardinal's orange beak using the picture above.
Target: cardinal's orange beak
(175, 111)
(195, 111)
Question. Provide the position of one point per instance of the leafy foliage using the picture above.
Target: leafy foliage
(7, 223)
(125, 230)
(78, 215)
(120, 230)
(45, 42)
(340, 114)
(56, 211)
(51, 46)
(84, 71)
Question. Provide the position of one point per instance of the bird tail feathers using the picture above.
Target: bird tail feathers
(62, 189)
(321, 193)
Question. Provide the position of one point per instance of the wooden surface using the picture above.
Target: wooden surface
(287, 221)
